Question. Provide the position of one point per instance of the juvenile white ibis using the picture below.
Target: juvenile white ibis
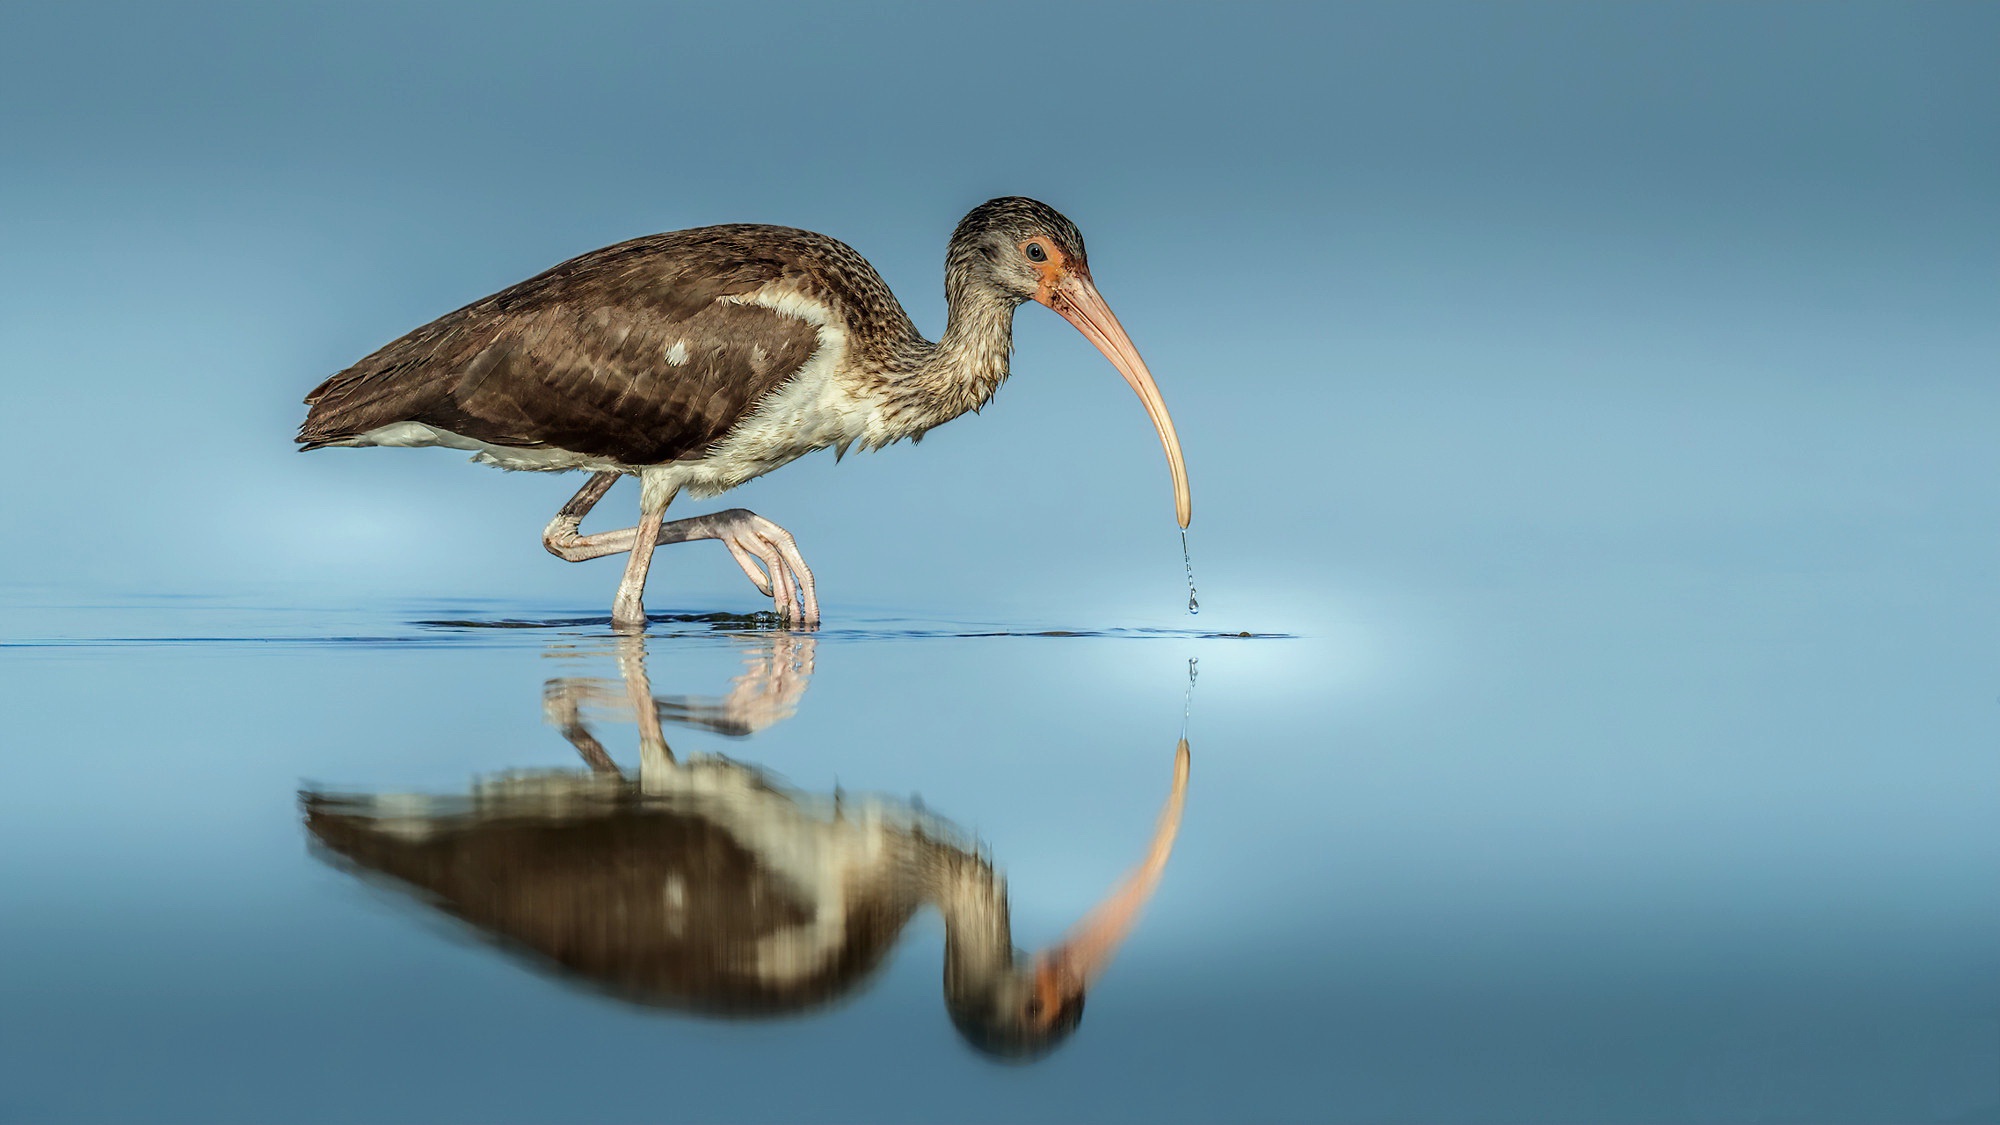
(708, 886)
(700, 359)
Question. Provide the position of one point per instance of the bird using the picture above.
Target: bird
(699, 359)
(709, 887)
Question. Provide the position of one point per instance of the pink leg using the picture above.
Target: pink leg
(752, 541)
(627, 612)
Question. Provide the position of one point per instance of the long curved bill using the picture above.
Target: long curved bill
(1077, 299)
(1083, 955)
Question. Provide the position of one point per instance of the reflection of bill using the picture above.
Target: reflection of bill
(706, 886)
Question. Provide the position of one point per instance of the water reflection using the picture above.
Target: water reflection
(707, 886)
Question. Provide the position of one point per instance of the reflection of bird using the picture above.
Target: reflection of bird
(768, 691)
(706, 886)
(703, 358)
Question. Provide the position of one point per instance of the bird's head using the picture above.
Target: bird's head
(1025, 250)
(1020, 247)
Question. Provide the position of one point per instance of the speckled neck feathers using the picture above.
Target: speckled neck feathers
(963, 370)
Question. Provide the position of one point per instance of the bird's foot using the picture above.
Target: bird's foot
(755, 542)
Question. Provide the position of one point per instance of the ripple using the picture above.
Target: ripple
(718, 622)
(155, 626)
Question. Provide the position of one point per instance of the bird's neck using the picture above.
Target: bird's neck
(967, 365)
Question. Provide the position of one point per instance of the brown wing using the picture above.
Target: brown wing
(581, 357)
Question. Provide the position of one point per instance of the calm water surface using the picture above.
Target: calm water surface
(486, 862)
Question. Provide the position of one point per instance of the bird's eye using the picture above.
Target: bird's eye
(1034, 1009)
(1036, 253)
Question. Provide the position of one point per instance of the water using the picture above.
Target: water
(1440, 861)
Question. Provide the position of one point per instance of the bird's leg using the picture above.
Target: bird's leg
(561, 539)
(560, 536)
(628, 613)
(752, 540)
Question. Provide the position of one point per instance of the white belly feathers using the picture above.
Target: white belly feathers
(524, 457)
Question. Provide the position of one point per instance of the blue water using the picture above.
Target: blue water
(1623, 855)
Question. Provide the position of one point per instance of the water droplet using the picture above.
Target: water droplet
(1187, 561)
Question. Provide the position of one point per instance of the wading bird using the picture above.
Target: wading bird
(700, 359)
(707, 886)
